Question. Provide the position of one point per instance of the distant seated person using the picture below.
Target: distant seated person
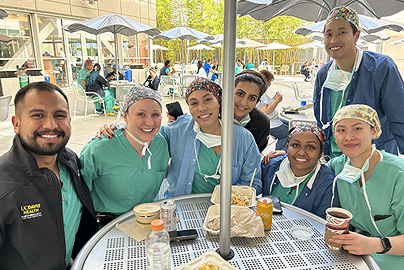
(167, 70)
(264, 62)
(249, 65)
(111, 76)
(299, 178)
(95, 83)
(152, 80)
(304, 69)
(209, 71)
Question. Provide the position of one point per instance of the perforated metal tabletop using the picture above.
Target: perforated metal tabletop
(111, 249)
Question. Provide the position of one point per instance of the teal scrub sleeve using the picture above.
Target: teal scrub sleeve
(89, 164)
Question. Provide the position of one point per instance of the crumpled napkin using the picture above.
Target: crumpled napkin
(243, 224)
(130, 228)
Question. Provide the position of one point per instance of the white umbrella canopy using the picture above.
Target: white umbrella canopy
(397, 42)
(366, 24)
(274, 46)
(115, 24)
(200, 47)
(218, 39)
(159, 47)
(249, 43)
(315, 10)
(314, 44)
(182, 33)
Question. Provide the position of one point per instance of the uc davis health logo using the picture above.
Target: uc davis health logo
(30, 211)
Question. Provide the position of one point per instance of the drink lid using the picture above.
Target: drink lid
(301, 232)
(168, 202)
(157, 225)
(146, 209)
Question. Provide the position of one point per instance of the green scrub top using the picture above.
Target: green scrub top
(385, 190)
(81, 76)
(287, 195)
(117, 177)
(71, 206)
(208, 162)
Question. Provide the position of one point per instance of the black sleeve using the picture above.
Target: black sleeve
(103, 81)
(259, 126)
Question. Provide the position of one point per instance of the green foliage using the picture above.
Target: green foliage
(207, 16)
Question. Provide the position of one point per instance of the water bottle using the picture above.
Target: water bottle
(158, 247)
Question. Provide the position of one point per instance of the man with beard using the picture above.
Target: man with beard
(46, 212)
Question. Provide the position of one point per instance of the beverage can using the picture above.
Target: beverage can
(264, 210)
(302, 103)
(168, 214)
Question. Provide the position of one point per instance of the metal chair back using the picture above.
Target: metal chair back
(81, 95)
(301, 95)
(5, 107)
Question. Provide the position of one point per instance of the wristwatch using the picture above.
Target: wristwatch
(386, 244)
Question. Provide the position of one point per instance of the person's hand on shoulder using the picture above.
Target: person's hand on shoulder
(107, 130)
(272, 154)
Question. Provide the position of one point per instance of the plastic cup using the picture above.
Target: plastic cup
(338, 220)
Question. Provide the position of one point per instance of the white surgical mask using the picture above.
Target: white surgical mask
(338, 80)
(209, 140)
(288, 179)
(350, 173)
(145, 147)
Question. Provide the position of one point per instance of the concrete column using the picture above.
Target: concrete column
(35, 40)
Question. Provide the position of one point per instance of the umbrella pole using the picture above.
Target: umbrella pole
(230, 22)
(116, 57)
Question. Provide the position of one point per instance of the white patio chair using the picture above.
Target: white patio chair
(301, 96)
(5, 107)
(284, 70)
(80, 94)
(272, 69)
(295, 122)
(169, 86)
(186, 80)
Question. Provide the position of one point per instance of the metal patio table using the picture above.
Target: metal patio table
(112, 249)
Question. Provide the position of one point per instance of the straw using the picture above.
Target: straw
(253, 177)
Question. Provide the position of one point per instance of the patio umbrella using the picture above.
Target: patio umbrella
(182, 33)
(3, 14)
(156, 47)
(115, 24)
(397, 42)
(200, 47)
(218, 41)
(314, 44)
(5, 38)
(315, 10)
(367, 24)
(274, 46)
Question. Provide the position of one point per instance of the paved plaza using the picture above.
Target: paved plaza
(83, 129)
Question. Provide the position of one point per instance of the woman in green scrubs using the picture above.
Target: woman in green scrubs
(371, 186)
(129, 168)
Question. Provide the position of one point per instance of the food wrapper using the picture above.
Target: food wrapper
(244, 222)
(131, 229)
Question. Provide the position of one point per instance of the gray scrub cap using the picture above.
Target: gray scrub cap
(139, 92)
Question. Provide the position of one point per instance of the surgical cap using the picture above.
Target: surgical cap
(360, 112)
(139, 92)
(114, 66)
(308, 128)
(207, 85)
(343, 13)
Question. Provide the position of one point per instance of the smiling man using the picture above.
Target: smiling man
(45, 206)
(355, 76)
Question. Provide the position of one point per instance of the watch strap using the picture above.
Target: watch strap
(386, 244)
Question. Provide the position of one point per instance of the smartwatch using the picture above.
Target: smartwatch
(386, 244)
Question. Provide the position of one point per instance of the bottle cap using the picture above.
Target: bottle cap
(157, 225)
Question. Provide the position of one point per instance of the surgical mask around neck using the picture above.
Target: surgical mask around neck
(286, 176)
(350, 173)
(331, 82)
(338, 80)
(288, 179)
(209, 140)
(145, 147)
